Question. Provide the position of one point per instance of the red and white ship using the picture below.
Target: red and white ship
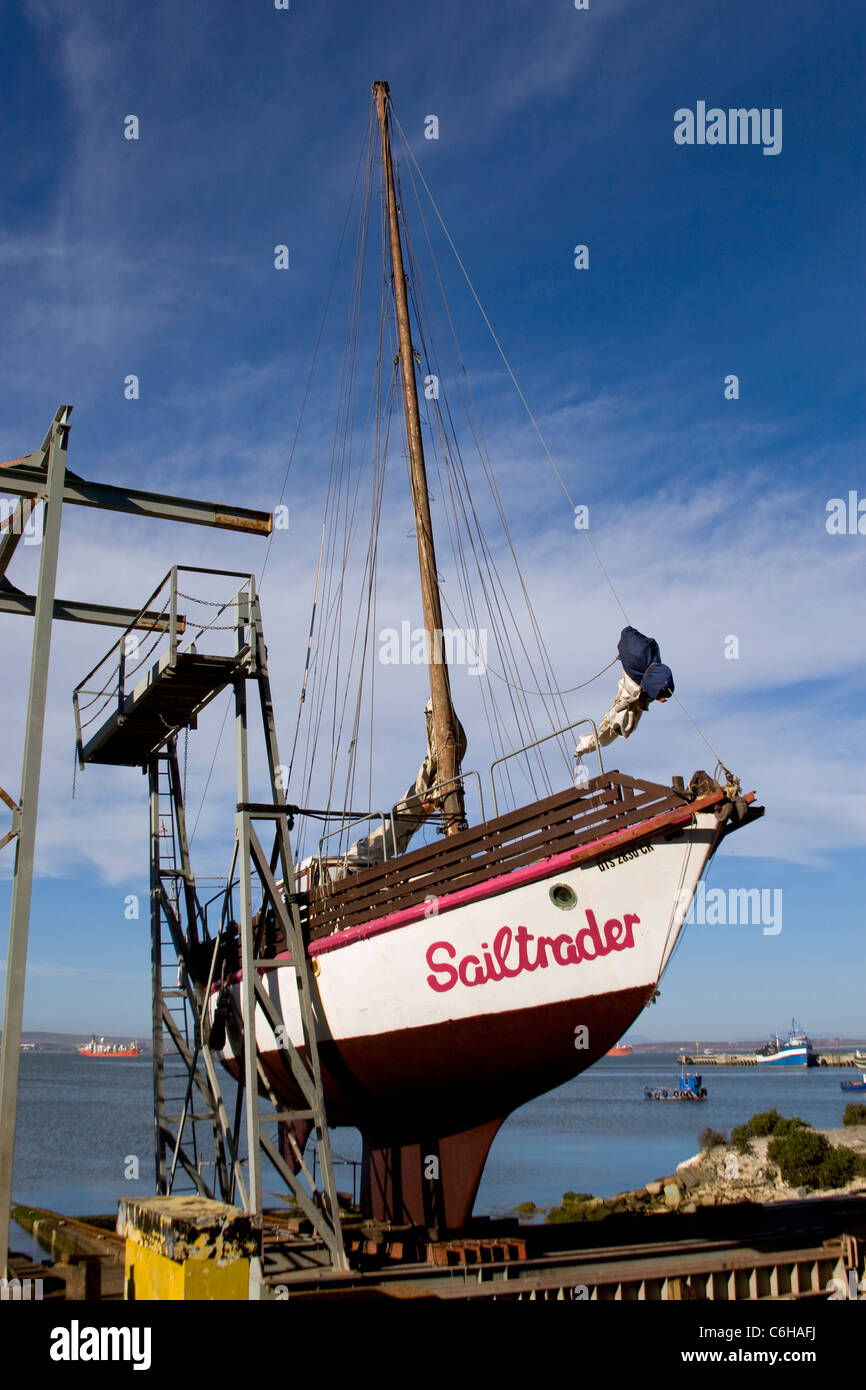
(459, 980)
(98, 1047)
(551, 930)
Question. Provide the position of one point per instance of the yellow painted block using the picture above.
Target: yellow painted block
(186, 1248)
(153, 1278)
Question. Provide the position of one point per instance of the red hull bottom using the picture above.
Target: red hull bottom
(429, 1101)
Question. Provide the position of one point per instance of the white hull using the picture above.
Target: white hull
(472, 961)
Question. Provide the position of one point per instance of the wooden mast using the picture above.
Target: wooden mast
(444, 719)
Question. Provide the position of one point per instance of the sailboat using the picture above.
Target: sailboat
(459, 979)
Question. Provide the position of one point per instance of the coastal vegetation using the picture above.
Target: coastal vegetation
(768, 1158)
(808, 1159)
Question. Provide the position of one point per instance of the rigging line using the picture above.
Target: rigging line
(483, 453)
(210, 772)
(368, 586)
(571, 689)
(413, 161)
(455, 467)
(339, 455)
(373, 411)
(699, 733)
(456, 470)
(339, 480)
(374, 414)
(364, 149)
(459, 491)
(507, 365)
(307, 661)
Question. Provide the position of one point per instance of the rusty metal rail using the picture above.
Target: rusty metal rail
(791, 1257)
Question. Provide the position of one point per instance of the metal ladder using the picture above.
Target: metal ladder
(194, 1131)
(189, 1130)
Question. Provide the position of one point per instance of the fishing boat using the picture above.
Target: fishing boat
(794, 1051)
(461, 978)
(98, 1047)
(854, 1085)
(688, 1088)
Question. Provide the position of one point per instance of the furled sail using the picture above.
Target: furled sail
(644, 678)
(410, 812)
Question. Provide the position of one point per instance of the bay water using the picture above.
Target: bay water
(85, 1130)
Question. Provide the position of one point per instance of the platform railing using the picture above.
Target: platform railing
(351, 823)
(388, 819)
(557, 733)
(107, 684)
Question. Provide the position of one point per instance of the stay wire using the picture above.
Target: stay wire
(536, 427)
(507, 364)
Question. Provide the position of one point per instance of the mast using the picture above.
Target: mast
(444, 719)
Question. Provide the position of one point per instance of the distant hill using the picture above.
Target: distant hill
(693, 1046)
(67, 1042)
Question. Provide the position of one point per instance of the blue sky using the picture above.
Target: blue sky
(155, 257)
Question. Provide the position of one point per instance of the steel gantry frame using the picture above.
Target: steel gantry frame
(190, 964)
(42, 477)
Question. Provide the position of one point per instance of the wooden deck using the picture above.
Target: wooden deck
(565, 821)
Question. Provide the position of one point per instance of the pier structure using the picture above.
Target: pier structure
(139, 727)
(749, 1059)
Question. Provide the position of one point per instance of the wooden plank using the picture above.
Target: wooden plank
(658, 787)
(548, 829)
(642, 829)
(432, 882)
(483, 840)
(487, 828)
(540, 838)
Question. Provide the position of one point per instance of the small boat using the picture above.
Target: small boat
(619, 1051)
(854, 1085)
(688, 1088)
(795, 1051)
(98, 1047)
(859, 1058)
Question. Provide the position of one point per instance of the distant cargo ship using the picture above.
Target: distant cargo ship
(619, 1052)
(98, 1047)
(795, 1051)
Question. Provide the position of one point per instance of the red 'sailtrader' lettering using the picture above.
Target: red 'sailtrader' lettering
(511, 953)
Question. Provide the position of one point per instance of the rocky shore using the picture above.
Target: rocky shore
(716, 1176)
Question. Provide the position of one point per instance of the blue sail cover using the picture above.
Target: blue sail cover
(641, 659)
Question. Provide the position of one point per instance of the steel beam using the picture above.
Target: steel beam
(73, 611)
(27, 478)
(13, 1016)
(11, 535)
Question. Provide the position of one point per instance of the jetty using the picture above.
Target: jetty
(748, 1059)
